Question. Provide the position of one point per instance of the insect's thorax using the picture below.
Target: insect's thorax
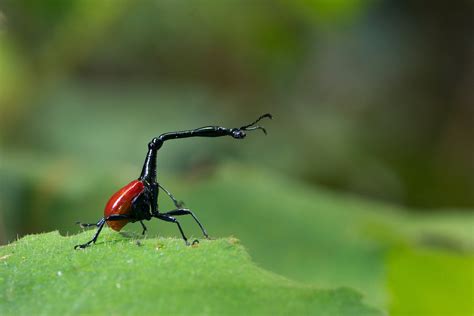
(144, 204)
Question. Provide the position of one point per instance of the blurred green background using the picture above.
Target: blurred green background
(370, 149)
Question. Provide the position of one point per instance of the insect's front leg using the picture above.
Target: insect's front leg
(154, 198)
(178, 204)
(183, 211)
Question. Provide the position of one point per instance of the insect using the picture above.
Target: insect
(138, 200)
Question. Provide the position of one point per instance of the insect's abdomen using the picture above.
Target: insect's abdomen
(121, 203)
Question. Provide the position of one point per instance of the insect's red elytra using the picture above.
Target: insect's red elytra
(121, 202)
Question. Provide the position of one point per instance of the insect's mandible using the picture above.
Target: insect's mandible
(138, 200)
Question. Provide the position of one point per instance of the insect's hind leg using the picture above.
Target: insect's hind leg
(85, 225)
(100, 225)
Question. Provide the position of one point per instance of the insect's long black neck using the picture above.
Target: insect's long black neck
(149, 167)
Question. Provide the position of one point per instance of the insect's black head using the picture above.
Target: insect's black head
(238, 133)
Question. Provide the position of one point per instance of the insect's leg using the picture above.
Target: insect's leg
(85, 225)
(100, 225)
(171, 219)
(144, 228)
(178, 204)
(183, 211)
(118, 217)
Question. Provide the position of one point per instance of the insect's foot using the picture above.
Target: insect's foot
(85, 225)
(195, 242)
(83, 246)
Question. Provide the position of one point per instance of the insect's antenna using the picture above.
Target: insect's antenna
(246, 127)
(256, 127)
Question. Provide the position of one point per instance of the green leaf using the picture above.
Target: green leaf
(123, 274)
(430, 282)
(304, 233)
